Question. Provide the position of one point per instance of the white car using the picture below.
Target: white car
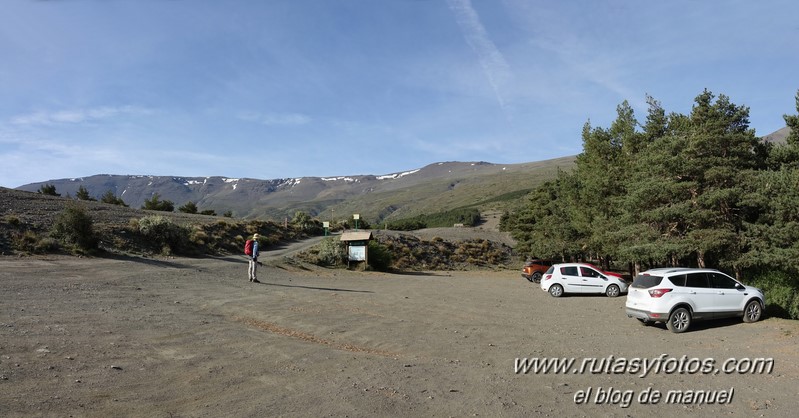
(677, 296)
(581, 278)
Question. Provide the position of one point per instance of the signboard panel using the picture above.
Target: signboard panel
(357, 253)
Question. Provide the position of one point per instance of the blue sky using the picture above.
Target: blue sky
(290, 88)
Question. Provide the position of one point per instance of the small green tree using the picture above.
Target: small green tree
(83, 194)
(378, 256)
(228, 214)
(49, 190)
(189, 207)
(331, 252)
(303, 222)
(75, 226)
(110, 198)
(301, 219)
(210, 212)
(155, 203)
(160, 230)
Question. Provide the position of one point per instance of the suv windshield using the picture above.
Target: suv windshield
(646, 281)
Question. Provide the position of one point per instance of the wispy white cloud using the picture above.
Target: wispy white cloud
(461, 149)
(590, 63)
(275, 118)
(61, 157)
(68, 116)
(495, 68)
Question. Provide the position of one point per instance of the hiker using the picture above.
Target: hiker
(253, 256)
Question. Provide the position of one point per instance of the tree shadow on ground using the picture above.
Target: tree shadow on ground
(148, 261)
(331, 289)
(418, 273)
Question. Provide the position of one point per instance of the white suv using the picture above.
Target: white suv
(581, 278)
(677, 296)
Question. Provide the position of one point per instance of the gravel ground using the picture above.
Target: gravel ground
(191, 337)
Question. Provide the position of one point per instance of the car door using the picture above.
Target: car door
(593, 281)
(571, 280)
(699, 293)
(729, 300)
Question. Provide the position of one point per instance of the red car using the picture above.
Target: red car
(608, 273)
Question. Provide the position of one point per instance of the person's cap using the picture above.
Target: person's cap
(255, 236)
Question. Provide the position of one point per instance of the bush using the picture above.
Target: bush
(465, 216)
(199, 237)
(45, 245)
(13, 220)
(189, 207)
(163, 232)
(378, 256)
(75, 227)
(782, 293)
(49, 190)
(24, 241)
(406, 225)
(331, 252)
(27, 241)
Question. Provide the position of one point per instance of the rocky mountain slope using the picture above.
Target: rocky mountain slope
(433, 188)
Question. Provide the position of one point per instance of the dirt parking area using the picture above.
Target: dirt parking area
(191, 337)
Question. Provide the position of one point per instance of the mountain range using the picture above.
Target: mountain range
(431, 189)
(434, 188)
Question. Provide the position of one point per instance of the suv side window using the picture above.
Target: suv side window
(589, 272)
(569, 271)
(720, 281)
(678, 280)
(645, 281)
(696, 280)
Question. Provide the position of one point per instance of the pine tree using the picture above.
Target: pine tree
(771, 229)
(48, 189)
(155, 203)
(189, 207)
(83, 194)
(110, 198)
(544, 227)
(719, 148)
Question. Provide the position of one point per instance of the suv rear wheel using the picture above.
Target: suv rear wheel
(536, 277)
(679, 320)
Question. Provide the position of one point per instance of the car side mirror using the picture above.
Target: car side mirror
(739, 286)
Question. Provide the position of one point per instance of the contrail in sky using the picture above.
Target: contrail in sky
(494, 65)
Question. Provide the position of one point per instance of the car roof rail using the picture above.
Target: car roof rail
(667, 270)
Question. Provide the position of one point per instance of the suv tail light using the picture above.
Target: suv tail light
(547, 277)
(656, 293)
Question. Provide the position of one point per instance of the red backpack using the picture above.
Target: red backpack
(248, 247)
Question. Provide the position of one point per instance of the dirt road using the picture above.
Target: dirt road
(191, 337)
